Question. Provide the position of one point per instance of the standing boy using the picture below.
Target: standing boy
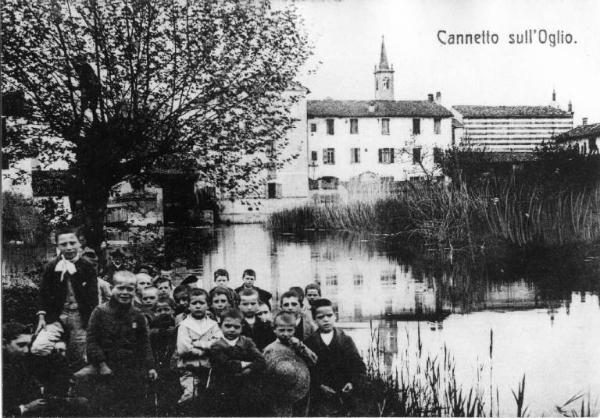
(148, 298)
(252, 327)
(288, 360)
(163, 284)
(339, 370)
(290, 302)
(249, 278)
(221, 278)
(119, 348)
(68, 295)
(237, 366)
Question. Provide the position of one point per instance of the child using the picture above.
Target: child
(237, 365)
(220, 300)
(264, 313)
(221, 278)
(287, 354)
(339, 369)
(290, 302)
(118, 346)
(163, 339)
(143, 281)
(312, 292)
(163, 284)
(182, 301)
(252, 327)
(195, 335)
(148, 298)
(249, 278)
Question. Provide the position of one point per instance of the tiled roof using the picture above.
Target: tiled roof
(382, 108)
(497, 112)
(582, 131)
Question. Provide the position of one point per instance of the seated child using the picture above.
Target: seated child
(221, 278)
(220, 300)
(237, 366)
(182, 301)
(148, 298)
(118, 346)
(339, 369)
(163, 284)
(163, 339)
(195, 335)
(290, 398)
(143, 281)
(264, 313)
(260, 332)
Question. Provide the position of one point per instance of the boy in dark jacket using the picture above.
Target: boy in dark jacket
(68, 295)
(339, 369)
(253, 327)
(237, 365)
(118, 346)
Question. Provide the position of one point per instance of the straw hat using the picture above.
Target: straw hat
(289, 375)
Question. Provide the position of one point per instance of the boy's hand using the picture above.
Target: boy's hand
(294, 342)
(34, 405)
(105, 370)
(327, 390)
(347, 388)
(245, 364)
(152, 375)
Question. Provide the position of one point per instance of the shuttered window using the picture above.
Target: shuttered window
(386, 155)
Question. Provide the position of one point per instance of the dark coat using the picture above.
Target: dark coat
(119, 336)
(338, 364)
(261, 333)
(18, 385)
(263, 295)
(53, 291)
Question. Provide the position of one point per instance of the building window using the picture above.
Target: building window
(329, 156)
(274, 190)
(330, 129)
(353, 126)
(416, 126)
(313, 127)
(314, 156)
(358, 280)
(386, 155)
(437, 126)
(388, 278)
(354, 155)
(416, 155)
(438, 155)
(385, 126)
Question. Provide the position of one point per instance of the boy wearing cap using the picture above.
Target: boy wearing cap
(339, 369)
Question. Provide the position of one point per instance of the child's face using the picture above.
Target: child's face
(231, 328)
(143, 282)
(222, 281)
(284, 331)
(149, 297)
(312, 294)
(182, 299)
(249, 305)
(68, 245)
(264, 313)
(123, 290)
(291, 305)
(164, 289)
(19, 346)
(325, 318)
(198, 306)
(248, 280)
(163, 309)
(219, 302)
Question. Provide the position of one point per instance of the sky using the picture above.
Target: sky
(347, 34)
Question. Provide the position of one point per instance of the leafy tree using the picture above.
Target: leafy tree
(119, 88)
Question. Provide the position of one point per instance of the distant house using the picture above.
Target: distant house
(584, 137)
(375, 140)
(511, 129)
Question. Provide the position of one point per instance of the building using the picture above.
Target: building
(584, 137)
(375, 140)
(511, 129)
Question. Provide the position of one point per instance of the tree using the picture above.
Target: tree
(118, 88)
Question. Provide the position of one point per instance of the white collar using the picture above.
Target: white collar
(298, 320)
(327, 337)
(251, 321)
(231, 342)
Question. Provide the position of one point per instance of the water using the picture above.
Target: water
(545, 327)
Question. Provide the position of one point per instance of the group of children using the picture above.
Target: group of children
(152, 349)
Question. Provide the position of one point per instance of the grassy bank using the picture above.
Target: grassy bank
(459, 218)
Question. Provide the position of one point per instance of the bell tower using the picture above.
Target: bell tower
(384, 77)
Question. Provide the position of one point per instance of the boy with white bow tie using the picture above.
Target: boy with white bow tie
(68, 295)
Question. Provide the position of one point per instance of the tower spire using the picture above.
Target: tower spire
(384, 76)
(383, 60)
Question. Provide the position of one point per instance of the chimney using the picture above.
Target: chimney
(430, 97)
(570, 108)
(371, 107)
(553, 95)
(584, 121)
(438, 97)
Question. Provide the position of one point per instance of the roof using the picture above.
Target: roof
(382, 108)
(456, 123)
(383, 61)
(582, 131)
(501, 112)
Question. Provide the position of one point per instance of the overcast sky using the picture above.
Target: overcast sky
(347, 37)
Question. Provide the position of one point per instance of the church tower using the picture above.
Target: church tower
(384, 77)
